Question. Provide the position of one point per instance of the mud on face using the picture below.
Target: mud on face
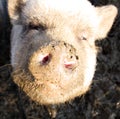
(54, 74)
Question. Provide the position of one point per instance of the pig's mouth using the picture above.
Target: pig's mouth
(57, 73)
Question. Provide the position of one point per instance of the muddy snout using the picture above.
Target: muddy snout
(57, 74)
(57, 58)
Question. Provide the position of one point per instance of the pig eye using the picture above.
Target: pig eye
(37, 27)
(83, 38)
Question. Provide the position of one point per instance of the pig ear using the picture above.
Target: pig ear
(106, 16)
(14, 7)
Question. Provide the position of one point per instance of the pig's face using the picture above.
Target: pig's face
(52, 46)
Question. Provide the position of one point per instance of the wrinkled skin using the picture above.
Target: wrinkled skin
(52, 46)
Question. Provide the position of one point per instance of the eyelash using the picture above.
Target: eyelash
(37, 27)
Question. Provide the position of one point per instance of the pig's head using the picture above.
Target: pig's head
(53, 51)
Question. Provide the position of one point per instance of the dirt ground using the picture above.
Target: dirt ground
(102, 101)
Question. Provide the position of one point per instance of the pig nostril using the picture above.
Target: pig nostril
(45, 59)
(69, 65)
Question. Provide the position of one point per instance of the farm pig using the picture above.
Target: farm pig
(53, 51)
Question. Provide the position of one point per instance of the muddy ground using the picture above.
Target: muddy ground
(102, 101)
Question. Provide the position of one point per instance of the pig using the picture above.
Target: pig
(53, 52)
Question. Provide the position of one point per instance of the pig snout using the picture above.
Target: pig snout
(45, 58)
(52, 57)
(56, 73)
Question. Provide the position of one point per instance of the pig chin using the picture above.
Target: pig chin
(55, 74)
